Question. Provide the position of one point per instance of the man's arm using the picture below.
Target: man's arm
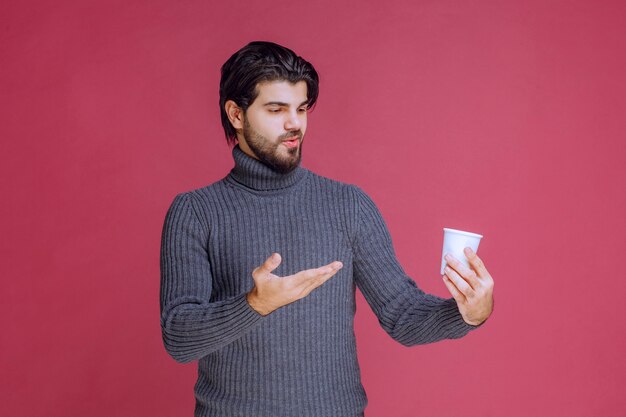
(405, 312)
(193, 327)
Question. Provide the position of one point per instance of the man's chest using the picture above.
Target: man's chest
(306, 233)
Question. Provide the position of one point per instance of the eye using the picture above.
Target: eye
(302, 110)
(274, 110)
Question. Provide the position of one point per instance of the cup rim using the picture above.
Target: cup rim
(462, 232)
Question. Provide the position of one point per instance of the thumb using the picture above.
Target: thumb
(270, 264)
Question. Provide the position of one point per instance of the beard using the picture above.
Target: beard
(267, 151)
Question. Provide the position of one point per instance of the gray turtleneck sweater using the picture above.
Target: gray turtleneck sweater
(301, 359)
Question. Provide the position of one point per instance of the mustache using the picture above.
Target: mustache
(291, 135)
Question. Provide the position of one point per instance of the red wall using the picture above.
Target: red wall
(500, 117)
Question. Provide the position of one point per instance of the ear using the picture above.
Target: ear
(234, 113)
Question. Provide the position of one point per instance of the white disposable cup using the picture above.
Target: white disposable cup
(454, 241)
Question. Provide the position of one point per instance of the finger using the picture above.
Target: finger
(467, 274)
(313, 278)
(313, 284)
(329, 271)
(269, 265)
(311, 274)
(334, 266)
(458, 296)
(459, 282)
(476, 263)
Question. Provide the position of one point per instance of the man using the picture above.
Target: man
(259, 269)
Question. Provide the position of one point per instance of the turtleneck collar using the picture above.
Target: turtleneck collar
(254, 174)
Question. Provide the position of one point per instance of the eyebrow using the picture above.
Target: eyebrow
(282, 104)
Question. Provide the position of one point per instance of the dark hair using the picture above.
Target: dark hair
(258, 62)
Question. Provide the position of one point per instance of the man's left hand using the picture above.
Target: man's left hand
(471, 288)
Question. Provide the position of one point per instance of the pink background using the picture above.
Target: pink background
(501, 117)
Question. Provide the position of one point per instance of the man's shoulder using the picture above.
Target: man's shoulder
(204, 193)
(342, 190)
(209, 189)
(348, 189)
(330, 183)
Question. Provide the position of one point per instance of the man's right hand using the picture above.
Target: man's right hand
(271, 292)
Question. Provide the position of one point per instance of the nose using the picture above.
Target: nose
(293, 121)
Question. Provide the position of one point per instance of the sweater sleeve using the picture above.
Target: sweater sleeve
(192, 326)
(405, 312)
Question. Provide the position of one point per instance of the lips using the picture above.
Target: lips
(292, 142)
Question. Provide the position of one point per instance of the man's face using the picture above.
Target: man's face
(278, 114)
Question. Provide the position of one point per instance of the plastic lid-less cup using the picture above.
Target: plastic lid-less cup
(454, 241)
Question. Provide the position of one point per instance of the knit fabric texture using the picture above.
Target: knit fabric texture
(301, 359)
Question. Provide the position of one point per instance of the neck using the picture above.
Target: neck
(254, 174)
